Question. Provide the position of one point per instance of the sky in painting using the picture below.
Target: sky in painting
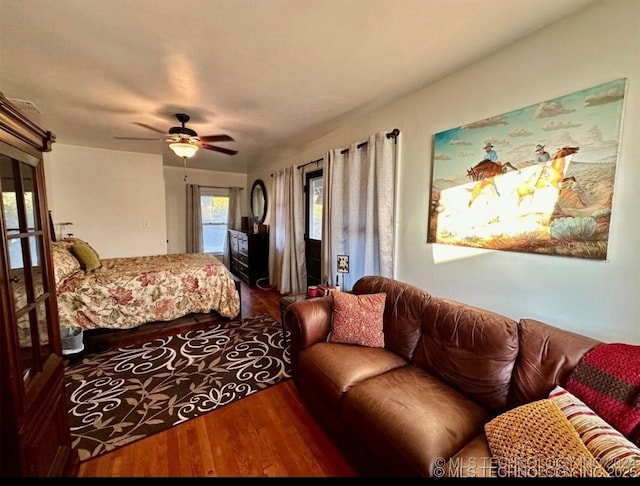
(590, 119)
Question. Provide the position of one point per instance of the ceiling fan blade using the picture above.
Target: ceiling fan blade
(136, 138)
(216, 138)
(219, 149)
(150, 127)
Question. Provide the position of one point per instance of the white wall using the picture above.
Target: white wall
(599, 299)
(114, 199)
(176, 199)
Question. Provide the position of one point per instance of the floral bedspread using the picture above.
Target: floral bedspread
(126, 292)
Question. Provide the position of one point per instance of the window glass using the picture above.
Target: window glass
(30, 202)
(215, 211)
(315, 208)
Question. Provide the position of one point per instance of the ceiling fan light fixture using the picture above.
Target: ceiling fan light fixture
(182, 149)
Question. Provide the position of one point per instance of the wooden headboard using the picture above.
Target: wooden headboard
(52, 230)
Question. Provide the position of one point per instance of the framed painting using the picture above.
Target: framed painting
(343, 263)
(539, 179)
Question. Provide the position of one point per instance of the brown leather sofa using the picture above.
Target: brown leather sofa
(417, 407)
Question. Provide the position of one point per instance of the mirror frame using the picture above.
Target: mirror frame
(259, 218)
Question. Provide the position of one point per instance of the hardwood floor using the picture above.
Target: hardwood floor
(268, 434)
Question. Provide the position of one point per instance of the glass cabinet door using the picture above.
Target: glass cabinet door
(24, 238)
(35, 440)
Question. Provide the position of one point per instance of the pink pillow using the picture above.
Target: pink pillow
(358, 319)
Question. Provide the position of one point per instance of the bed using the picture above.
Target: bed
(123, 293)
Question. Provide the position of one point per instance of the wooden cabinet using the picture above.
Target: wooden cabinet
(35, 436)
(249, 255)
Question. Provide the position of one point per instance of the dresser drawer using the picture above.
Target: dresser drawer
(249, 255)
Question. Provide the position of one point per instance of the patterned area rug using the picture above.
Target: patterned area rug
(129, 393)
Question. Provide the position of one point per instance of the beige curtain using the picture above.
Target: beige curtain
(195, 243)
(233, 220)
(287, 268)
(358, 210)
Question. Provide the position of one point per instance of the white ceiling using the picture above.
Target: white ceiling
(266, 72)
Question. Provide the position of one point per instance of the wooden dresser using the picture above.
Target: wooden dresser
(249, 255)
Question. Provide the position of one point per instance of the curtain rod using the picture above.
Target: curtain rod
(312, 162)
(304, 165)
(392, 134)
(223, 187)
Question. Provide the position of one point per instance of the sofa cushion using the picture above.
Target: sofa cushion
(357, 319)
(332, 368)
(619, 456)
(403, 311)
(411, 419)
(537, 440)
(470, 348)
(472, 461)
(547, 357)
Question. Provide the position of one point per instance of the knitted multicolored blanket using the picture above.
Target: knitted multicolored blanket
(607, 380)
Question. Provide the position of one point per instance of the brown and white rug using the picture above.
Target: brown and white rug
(129, 393)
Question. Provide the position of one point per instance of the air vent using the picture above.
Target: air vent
(26, 107)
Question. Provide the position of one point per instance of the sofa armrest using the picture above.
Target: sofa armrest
(309, 322)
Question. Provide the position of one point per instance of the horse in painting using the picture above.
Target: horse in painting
(485, 173)
(488, 168)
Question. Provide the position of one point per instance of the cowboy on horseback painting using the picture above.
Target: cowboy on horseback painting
(555, 202)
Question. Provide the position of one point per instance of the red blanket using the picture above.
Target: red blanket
(607, 379)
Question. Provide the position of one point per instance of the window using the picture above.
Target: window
(314, 205)
(214, 206)
(313, 216)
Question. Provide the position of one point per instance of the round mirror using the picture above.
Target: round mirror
(258, 201)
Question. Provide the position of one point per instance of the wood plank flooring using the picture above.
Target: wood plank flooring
(268, 434)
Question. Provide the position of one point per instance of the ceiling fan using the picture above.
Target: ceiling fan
(184, 141)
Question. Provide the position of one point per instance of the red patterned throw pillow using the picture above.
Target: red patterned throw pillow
(358, 319)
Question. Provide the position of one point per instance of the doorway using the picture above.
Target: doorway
(314, 193)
